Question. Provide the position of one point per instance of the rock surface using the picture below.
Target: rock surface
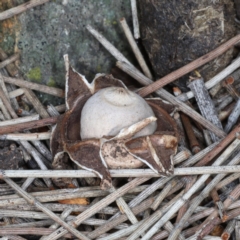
(175, 33)
(45, 33)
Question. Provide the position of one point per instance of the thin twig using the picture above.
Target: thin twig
(21, 8)
(19, 120)
(16, 93)
(133, 72)
(96, 207)
(189, 67)
(135, 48)
(29, 125)
(36, 103)
(119, 56)
(26, 136)
(187, 195)
(136, 30)
(41, 207)
(34, 86)
(208, 188)
(11, 59)
(124, 173)
(216, 79)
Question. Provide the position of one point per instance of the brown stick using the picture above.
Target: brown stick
(7, 104)
(11, 68)
(29, 125)
(193, 142)
(9, 60)
(228, 139)
(189, 67)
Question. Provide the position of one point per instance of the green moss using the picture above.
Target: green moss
(51, 83)
(99, 69)
(35, 74)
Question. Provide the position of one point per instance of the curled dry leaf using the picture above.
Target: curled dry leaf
(155, 147)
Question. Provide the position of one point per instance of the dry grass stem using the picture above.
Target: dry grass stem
(118, 173)
(26, 136)
(11, 59)
(226, 101)
(42, 148)
(29, 125)
(34, 86)
(101, 204)
(136, 31)
(228, 180)
(122, 205)
(233, 117)
(7, 104)
(209, 187)
(15, 93)
(63, 216)
(150, 221)
(36, 103)
(187, 195)
(169, 97)
(228, 230)
(209, 223)
(219, 147)
(25, 231)
(4, 88)
(61, 108)
(121, 218)
(121, 233)
(189, 67)
(160, 197)
(41, 207)
(205, 104)
(57, 207)
(119, 56)
(237, 230)
(21, 8)
(215, 80)
(19, 120)
(228, 84)
(4, 111)
(135, 48)
(52, 111)
(11, 68)
(38, 158)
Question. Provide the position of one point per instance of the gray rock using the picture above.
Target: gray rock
(47, 32)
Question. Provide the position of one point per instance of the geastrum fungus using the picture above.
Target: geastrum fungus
(108, 126)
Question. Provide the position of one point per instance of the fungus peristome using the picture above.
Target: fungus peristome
(155, 146)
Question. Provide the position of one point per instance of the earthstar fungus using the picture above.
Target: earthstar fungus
(145, 139)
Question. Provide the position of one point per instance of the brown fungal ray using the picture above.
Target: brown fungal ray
(62, 163)
(106, 80)
(165, 124)
(71, 121)
(76, 85)
(156, 151)
(117, 157)
(86, 155)
(66, 135)
(56, 142)
(168, 107)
